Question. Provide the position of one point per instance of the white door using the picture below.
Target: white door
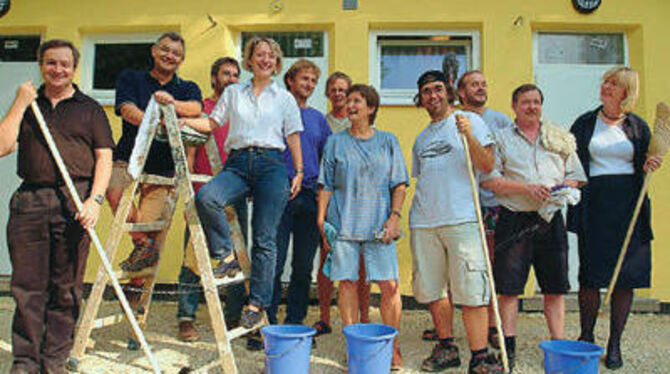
(568, 69)
(312, 45)
(17, 65)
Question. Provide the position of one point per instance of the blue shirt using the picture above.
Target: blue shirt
(312, 140)
(136, 87)
(361, 174)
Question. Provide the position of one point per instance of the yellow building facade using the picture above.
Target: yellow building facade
(502, 38)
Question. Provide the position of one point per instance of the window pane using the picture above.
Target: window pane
(606, 49)
(401, 65)
(293, 44)
(111, 59)
(19, 48)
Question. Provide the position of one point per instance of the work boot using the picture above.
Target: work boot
(187, 332)
(485, 364)
(441, 358)
(143, 256)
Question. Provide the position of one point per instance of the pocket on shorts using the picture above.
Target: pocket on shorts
(476, 289)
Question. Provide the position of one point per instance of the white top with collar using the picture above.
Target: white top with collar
(257, 121)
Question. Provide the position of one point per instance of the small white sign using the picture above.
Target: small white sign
(11, 44)
(302, 43)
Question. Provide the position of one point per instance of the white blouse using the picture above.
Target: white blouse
(611, 151)
(257, 121)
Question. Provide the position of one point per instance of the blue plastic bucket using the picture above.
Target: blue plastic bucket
(571, 357)
(369, 347)
(287, 348)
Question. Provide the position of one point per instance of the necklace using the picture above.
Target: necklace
(611, 118)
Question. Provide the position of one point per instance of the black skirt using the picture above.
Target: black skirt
(610, 204)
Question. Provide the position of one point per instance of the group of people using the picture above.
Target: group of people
(335, 182)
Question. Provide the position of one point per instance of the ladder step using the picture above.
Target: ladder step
(108, 321)
(241, 331)
(201, 178)
(157, 179)
(145, 226)
(227, 281)
(146, 272)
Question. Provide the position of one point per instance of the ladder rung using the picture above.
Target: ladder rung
(156, 179)
(146, 272)
(108, 321)
(227, 281)
(201, 178)
(241, 331)
(145, 226)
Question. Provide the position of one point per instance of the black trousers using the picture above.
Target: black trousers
(48, 250)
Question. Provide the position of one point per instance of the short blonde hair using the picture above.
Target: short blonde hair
(251, 47)
(629, 79)
(301, 64)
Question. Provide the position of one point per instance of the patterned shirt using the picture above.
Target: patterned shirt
(520, 160)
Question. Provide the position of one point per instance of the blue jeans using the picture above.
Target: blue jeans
(261, 174)
(299, 218)
(189, 292)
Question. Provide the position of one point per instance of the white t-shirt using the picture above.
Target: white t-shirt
(610, 150)
(443, 193)
(257, 121)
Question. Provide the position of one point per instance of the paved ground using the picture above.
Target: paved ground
(646, 348)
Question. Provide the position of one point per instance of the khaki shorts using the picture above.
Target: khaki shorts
(449, 258)
(152, 197)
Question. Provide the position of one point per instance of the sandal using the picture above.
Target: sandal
(429, 335)
(322, 328)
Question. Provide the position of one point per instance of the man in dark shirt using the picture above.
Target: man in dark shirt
(134, 90)
(47, 241)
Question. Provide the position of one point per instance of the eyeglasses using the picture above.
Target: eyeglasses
(166, 50)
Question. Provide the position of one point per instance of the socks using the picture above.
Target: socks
(510, 344)
(447, 342)
(479, 353)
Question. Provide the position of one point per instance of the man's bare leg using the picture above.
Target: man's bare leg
(554, 313)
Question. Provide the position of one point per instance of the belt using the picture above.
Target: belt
(253, 150)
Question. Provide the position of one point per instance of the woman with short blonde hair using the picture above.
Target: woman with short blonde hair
(612, 146)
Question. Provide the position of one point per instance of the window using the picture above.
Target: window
(589, 49)
(398, 58)
(105, 56)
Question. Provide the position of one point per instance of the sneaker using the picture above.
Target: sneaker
(227, 269)
(251, 318)
(143, 256)
(254, 341)
(187, 332)
(441, 358)
(485, 364)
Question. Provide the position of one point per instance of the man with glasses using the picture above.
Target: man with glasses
(134, 89)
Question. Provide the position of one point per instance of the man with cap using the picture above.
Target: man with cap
(446, 246)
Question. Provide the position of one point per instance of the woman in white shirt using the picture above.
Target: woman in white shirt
(612, 146)
(264, 118)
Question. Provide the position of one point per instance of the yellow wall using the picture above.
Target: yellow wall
(506, 58)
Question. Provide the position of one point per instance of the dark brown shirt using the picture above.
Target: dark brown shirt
(78, 125)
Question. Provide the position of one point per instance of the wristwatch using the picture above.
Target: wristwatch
(98, 199)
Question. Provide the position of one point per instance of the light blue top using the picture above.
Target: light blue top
(361, 174)
(496, 121)
(443, 193)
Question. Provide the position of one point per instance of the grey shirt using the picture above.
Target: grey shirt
(495, 121)
(361, 174)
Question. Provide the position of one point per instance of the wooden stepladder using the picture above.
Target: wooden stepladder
(182, 181)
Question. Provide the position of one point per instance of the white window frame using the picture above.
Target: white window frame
(105, 97)
(403, 97)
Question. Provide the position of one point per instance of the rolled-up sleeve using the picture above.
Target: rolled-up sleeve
(291, 121)
(497, 171)
(221, 112)
(573, 169)
(327, 171)
(398, 167)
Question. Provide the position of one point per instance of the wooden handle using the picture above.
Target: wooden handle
(626, 241)
(94, 237)
(485, 249)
